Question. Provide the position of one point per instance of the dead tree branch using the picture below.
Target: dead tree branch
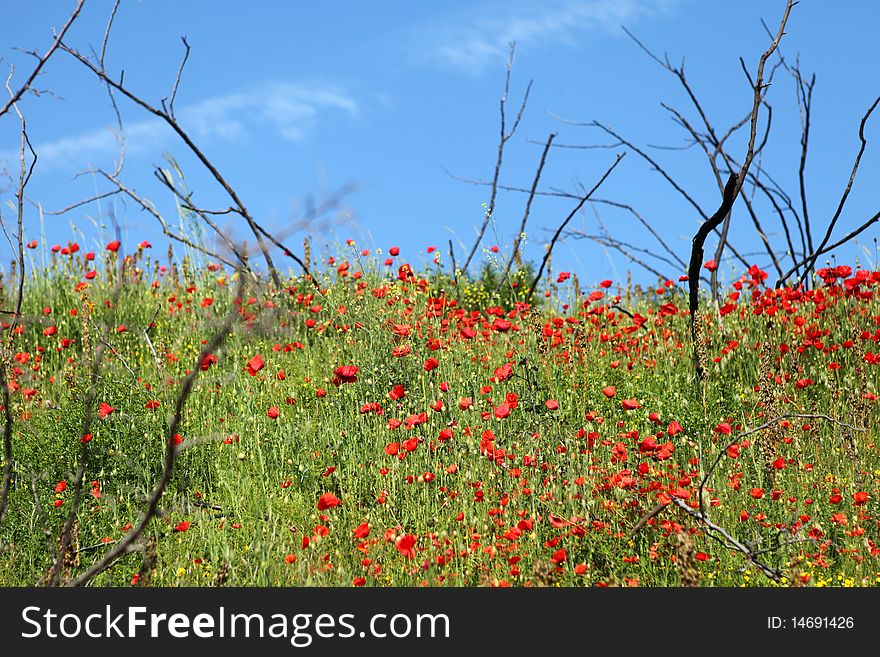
(171, 450)
(15, 96)
(810, 263)
(505, 137)
(25, 172)
(522, 228)
(562, 226)
(164, 114)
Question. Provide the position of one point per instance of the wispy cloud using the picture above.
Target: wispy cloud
(287, 109)
(473, 42)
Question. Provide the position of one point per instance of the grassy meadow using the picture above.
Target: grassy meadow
(392, 424)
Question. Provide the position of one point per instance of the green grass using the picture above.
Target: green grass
(540, 497)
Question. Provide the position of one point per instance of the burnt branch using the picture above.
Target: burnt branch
(41, 61)
(505, 137)
(717, 532)
(101, 73)
(171, 449)
(25, 172)
(811, 260)
(696, 261)
(759, 89)
(562, 226)
(522, 228)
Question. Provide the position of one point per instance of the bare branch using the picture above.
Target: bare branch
(119, 86)
(562, 226)
(505, 136)
(15, 96)
(811, 261)
(177, 80)
(522, 228)
(123, 546)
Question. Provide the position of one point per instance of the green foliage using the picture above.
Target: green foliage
(510, 460)
(489, 288)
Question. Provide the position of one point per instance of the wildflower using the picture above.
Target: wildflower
(114, 246)
(345, 374)
(405, 544)
(502, 411)
(105, 409)
(255, 364)
(328, 501)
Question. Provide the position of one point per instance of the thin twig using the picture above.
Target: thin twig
(562, 226)
(15, 96)
(505, 136)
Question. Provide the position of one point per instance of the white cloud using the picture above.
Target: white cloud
(471, 43)
(291, 110)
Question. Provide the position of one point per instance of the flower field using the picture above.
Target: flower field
(387, 424)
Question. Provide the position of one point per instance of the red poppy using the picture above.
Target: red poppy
(552, 404)
(723, 428)
(255, 364)
(359, 581)
(105, 409)
(609, 391)
(860, 498)
(405, 545)
(362, 530)
(328, 501)
(86, 438)
(394, 251)
(345, 374)
(630, 404)
(182, 526)
(559, 556)
(114, 246)
(272, 412)
(431, 364)
(711, 265)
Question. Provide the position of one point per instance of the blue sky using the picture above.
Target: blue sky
(291, 99)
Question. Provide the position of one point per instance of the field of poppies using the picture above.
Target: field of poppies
(393, 424)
